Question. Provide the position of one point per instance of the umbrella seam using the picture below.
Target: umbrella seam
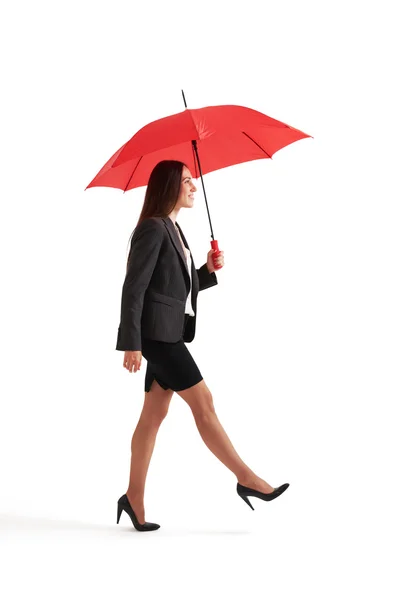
(194, 124)
(261, 148)
(133, 172)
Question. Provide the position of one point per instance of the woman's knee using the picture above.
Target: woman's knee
(156, 404)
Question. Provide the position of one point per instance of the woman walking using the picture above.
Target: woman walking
(158, 315)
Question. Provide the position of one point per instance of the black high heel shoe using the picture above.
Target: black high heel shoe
(244, 491)
(123, 504)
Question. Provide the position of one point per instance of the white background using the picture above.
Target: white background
(298, 342)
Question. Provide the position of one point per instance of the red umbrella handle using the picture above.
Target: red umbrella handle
(214, 246)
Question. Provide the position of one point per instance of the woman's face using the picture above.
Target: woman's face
(187, 189)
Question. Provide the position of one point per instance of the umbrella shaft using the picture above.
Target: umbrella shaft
(194, 142)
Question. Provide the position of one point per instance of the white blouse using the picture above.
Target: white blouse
(189, 307)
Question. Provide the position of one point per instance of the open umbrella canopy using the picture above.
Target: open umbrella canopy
(222, 135)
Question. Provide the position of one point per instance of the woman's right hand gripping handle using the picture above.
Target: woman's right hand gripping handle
(132, 360)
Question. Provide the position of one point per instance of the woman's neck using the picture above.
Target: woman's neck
(173, 215)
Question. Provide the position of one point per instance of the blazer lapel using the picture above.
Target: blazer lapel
(177, 243)
(195, 280)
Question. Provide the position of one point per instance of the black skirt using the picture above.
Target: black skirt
(170, 364)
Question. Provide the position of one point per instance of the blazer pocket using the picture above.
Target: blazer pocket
(164, 299)
(162, 319)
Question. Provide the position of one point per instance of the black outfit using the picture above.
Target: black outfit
(171, 364)
(153, 304)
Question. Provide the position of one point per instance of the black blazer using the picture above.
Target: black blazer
(156, 287)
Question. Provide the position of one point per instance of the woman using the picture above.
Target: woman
(158, 315)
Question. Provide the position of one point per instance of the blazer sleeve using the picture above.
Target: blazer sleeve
(206, 279)
(145, 248)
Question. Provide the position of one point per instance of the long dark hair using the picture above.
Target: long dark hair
(162, 191)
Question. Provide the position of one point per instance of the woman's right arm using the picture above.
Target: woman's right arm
(145, 248)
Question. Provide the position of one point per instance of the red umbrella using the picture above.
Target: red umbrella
(223, 136)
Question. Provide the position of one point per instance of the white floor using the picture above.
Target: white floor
(308, 543)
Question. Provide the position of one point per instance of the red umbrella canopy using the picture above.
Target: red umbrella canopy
(226, 135)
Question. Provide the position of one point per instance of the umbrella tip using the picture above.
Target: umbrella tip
(184, 99)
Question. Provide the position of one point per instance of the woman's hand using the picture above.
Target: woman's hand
(132, 360)
(219, 260)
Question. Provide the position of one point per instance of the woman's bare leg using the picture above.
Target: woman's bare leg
(200, 400)
(155, 409)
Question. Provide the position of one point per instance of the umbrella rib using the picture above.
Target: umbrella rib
(133, 172)
(261, 148)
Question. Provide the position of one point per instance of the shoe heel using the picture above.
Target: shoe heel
(124, 504)
(245, 498)
(120, 509)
